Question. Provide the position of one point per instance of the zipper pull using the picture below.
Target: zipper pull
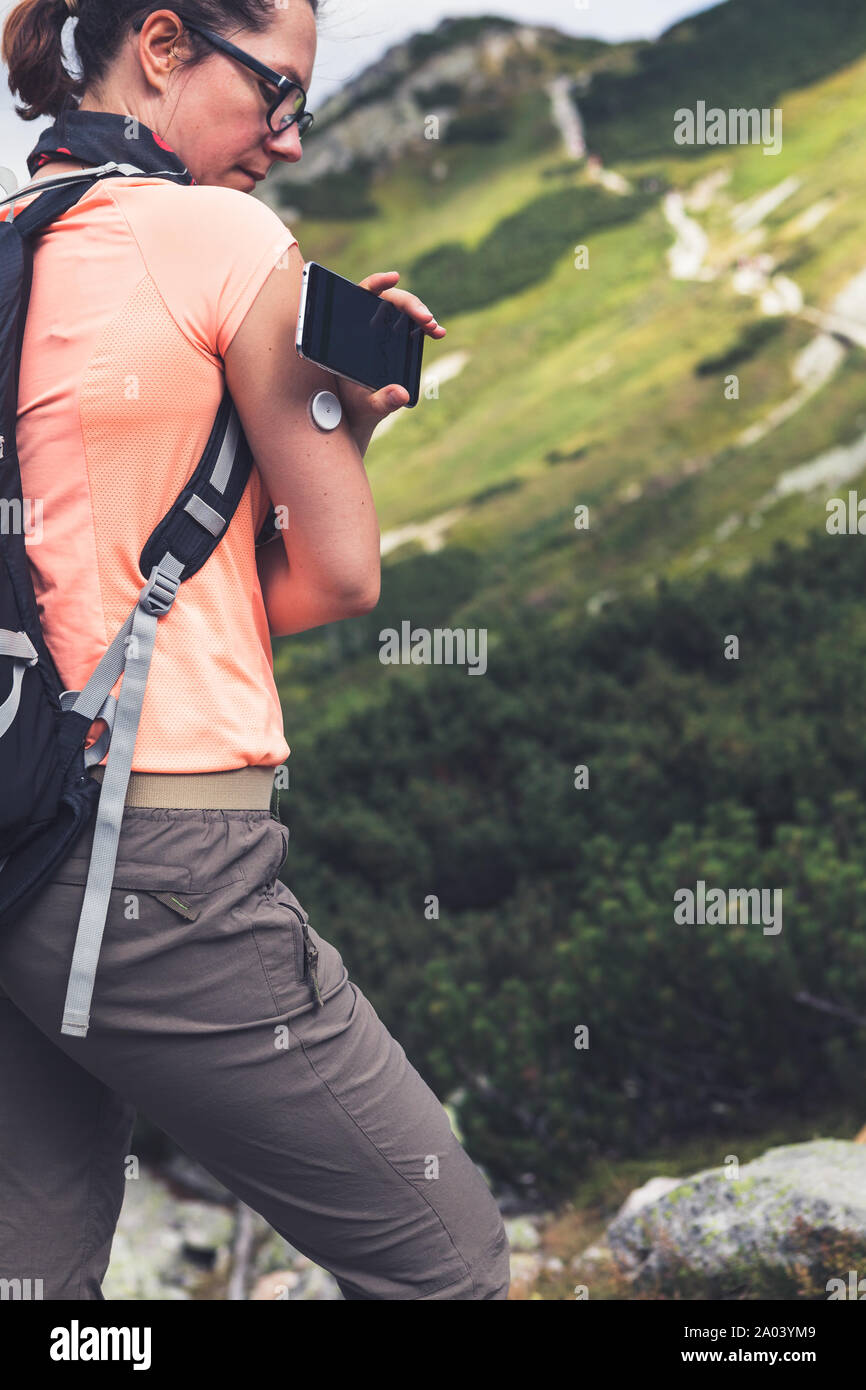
(312, 954)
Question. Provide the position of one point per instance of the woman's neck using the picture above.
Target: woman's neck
(57, 166)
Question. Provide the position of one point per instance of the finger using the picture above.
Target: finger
(383, 282)
(380, 279)
(378, 404)
(411, 305)
(402, 299)
(389, 399)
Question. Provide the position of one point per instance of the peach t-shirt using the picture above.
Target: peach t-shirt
(137, 293)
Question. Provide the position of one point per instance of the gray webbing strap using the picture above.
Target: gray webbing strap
(226, 456)
(161, 596)
(104, 678)
(98, 171)
(208, 516)
(9, 708)
(154, 601)
(18, 645)
(97, 751)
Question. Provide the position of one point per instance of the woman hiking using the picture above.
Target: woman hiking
(217, 1009)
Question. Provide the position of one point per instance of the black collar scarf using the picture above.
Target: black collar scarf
(98, 137)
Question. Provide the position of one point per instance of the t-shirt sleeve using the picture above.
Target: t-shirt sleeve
(209, 251)
(272, 240)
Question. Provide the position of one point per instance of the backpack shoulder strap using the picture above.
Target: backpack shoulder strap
(75, 184)
(17, 234)
(177, 548)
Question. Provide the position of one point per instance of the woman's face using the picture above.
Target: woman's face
(214, 114)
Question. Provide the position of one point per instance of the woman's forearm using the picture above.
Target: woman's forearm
(330, 532)
(295, 606)
(362, 437)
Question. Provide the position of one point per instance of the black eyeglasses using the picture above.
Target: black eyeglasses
(291, 100)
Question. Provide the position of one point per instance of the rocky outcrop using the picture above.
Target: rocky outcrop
(382, 112)
(788, 1210)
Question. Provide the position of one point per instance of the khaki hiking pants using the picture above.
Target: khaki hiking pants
(223, 1015)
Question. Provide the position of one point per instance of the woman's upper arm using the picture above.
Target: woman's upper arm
(332, 535)
(271, 386)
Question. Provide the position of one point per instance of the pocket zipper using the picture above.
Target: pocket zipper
(311, 955)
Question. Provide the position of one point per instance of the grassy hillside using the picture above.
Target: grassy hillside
(741, 53)
(607, 386)
(596, 386)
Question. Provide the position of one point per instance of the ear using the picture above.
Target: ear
(161, 34)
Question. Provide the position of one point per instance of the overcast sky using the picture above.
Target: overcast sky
(353, 33)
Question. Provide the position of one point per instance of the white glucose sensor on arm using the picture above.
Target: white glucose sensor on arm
(325, 411)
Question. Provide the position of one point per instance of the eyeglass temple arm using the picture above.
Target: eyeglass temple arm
(279, 79)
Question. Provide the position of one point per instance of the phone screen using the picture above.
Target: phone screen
(355, 333)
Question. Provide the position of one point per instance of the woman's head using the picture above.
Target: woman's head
(142, 61)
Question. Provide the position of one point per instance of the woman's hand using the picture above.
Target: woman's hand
(365, 409)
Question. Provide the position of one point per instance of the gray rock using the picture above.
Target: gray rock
(593, 1255)
(522, 1234)
(274, 1287)
(310, 1284)
(650, 1192)
(275, 1253)
(377, 109)
(525, 1269)
(715, 1226)
(316, 1283)
(204, 1226)
(278, 1265)
(146, 1245)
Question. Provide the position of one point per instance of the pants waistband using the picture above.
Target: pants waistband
(238, 789)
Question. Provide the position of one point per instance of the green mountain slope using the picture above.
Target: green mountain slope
(743, 53)
(604, 386)
(703, 405)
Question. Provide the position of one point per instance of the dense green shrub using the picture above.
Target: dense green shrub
(442, 94)
(745, 53)
(750, 342)
(556, 905)
(337, 197)
(485, 126)
(521, 250)
(451, 32)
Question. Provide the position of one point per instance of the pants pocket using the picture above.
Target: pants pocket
(302, 968)
(278, 933)
(309, 957)
(298, 935)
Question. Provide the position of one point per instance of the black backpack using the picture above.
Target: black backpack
(48, 796)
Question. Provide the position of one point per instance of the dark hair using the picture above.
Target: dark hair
(32, 46)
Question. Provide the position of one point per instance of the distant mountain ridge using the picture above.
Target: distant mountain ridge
(669, 335)
(380, 113)
(741, 53)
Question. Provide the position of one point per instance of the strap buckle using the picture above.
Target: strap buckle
(159, 593)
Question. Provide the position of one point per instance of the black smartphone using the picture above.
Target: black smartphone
(356, 334)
